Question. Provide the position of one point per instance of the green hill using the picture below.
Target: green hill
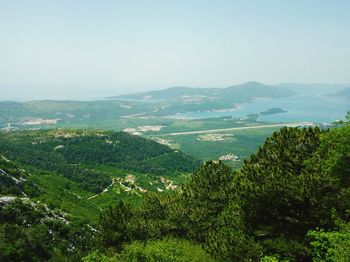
(79, 155)
(81, 172)
(15, 181)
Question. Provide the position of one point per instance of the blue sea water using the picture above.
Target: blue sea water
(301, 107)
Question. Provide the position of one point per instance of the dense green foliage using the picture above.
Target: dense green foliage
(163, 251)
(71, 153)
(14, 181)
(32, 232)
(278, 198)
(296, 182)
(331, 246)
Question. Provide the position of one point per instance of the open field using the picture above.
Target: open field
(237, 128)
(240, 142)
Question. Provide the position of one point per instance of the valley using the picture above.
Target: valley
(147, 163)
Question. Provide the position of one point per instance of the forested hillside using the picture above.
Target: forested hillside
(289, 202)
(15, 181)
(79, 154)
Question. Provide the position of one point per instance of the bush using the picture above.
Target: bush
(331, 246)
(169, 249)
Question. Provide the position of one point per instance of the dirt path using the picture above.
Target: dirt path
(103, 191)
(236, 128)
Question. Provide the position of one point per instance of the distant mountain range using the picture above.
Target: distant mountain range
(344, 93)
(236, 93)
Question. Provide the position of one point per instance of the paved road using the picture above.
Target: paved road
(236, 128)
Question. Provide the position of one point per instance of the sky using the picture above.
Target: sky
(86, 49)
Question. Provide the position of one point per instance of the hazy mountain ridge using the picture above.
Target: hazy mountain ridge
(166, 94)
(244, 91)
(344, 93)
(185, 99)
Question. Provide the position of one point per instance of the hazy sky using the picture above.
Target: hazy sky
(87, 49)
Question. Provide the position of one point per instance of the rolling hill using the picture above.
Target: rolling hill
(15, 181)
(81, 172)
(76, 154)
